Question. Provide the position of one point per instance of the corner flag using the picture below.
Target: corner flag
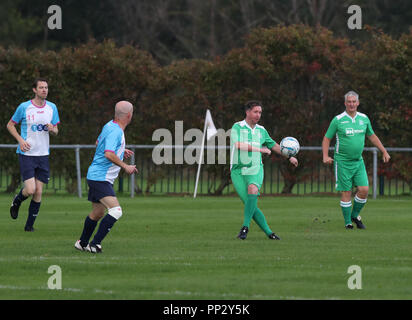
(209, 130)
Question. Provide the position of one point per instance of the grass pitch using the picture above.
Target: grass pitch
(182, 248)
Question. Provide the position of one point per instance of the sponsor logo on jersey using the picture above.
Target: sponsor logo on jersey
(39, 127)
(349, 132)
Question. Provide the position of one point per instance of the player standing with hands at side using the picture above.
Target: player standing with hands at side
(105, 167)
(248, 141)
(38, 118)
(350, 128)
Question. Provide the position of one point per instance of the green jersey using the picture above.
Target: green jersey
(350, 135)
(257, 137)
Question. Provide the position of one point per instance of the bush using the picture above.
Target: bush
(299, 73)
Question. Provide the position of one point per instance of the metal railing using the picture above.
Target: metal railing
(145, 167)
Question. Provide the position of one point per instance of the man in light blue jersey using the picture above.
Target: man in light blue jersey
(38, 117)
(105, 167)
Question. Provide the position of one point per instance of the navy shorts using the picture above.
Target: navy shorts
(99, 190)
(34, 167)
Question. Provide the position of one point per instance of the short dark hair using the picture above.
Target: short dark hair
(252, 103)
(37, 80)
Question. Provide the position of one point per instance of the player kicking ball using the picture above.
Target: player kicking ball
(105, 167)
(248, 141)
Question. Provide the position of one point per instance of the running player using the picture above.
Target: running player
(105, 167)
(350, 128)
(38, 118)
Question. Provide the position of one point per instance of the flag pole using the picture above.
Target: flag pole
(201, 157)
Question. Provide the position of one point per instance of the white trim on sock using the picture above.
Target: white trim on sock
(346, 204)
(357, 199)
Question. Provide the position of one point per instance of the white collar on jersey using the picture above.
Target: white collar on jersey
(243, 123)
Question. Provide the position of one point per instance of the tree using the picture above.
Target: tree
(295, 71)
(15, 29)
(381, 72)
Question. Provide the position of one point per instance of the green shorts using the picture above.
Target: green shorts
(349, 174)
(241, 179)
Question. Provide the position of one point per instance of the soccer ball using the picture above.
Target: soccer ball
(289, 147)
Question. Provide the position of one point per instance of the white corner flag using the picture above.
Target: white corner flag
(210, 126)
(209, 130)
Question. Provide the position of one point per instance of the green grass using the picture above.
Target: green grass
(184, 248)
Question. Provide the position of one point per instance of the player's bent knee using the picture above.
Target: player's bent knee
(30, 191)
(115, 212)
(252, 189)
(363, 191)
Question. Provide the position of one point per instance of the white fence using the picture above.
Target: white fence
(77, 148)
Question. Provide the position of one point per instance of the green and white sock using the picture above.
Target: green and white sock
(346, 211)
(358, 204)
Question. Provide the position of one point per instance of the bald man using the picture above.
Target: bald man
(105, 167)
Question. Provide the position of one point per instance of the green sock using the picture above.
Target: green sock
(260, 220)
(358, 204)
(250, 208)
(346, 210)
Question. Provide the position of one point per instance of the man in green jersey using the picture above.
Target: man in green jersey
(248, 142)
(350, 128)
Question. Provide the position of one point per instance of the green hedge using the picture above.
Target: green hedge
(299, 73)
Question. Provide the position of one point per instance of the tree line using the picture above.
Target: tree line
(299, 73)
(186, 29)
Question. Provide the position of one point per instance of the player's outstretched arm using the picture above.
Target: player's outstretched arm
(292, 160)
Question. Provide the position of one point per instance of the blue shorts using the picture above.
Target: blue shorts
(99, 190)
(34, 167)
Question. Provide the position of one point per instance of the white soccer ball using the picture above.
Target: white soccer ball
(289, 146)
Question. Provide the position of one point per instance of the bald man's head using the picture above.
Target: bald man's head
(122, 109)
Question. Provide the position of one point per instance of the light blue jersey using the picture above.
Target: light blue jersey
(33, 121)
(110, 139)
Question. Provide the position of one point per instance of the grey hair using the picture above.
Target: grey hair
(353, 94)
